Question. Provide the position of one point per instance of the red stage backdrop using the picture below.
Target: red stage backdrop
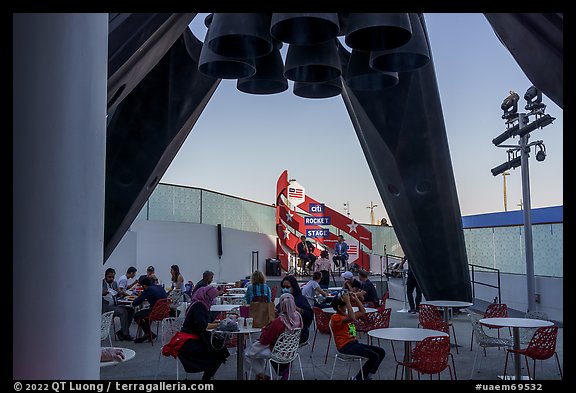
(298, 214)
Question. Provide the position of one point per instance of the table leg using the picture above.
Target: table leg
(407, 356)
(446, 313)
(517, 371)
(240, 357)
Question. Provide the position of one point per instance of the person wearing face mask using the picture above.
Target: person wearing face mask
(290, 285)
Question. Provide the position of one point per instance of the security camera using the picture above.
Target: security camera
(541, 154)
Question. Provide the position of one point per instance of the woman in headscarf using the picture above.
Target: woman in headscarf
(258, 353)
(290, 285)
(197, 354)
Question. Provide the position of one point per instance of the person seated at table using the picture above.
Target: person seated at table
(356, 288)
(350, 283)
(197, 354)
(177, 279)
(370, 293)
(124, 283)
(258, 290)
(290, 285)
(151, 293)
(259, 352)
(344, 329)
(324, 266)
(312, 288)
(150, 272)
(109, 303)
(207, 278)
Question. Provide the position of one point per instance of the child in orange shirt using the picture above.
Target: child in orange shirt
(344, 331)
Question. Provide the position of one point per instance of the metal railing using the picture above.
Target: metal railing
(473, 280)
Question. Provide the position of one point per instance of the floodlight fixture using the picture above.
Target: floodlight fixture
(541, 154)
(510, 164)
(533, 98)
(510, 106)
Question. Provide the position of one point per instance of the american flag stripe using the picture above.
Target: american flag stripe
(353, 250)
(295, 193)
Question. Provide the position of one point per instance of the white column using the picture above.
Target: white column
(59, 141)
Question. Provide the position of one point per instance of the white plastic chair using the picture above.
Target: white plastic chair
(345, 357)
(105, 324)
(169, 327)
(527, 333)
(285, 350)
(484, 340)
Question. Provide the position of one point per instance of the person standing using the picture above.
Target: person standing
(411, 285)
(340, 253)
(324, 266)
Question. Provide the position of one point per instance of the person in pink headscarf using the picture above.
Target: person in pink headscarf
(197, 354)
(288, 319)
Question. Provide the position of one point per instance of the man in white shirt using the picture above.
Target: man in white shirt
(110, 293)
(123, 281)
(312, 287)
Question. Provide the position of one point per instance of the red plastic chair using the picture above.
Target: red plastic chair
(430, 356)
(384, 298)
(541, 347)
(322, 321)
(494, 310)
(429, 314)
(442, 326)
(374, 320)
(160, 310)
(274, 292)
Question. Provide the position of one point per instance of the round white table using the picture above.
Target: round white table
(223, 307)
(332, 311)
(128, 355)
(447, 305)
(516, 324)
(237, 290)
(408, 335)
(240, 349)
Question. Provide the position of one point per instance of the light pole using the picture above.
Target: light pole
(522, 129)
(347, 208)
(371, 207)
(504, 174)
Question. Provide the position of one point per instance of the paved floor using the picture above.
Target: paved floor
(147, 362)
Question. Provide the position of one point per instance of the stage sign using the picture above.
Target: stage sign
(316, 208)
(317, 233)
(316, 220)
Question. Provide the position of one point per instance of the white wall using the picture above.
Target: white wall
(124, 256)
(514, 292)
(193, 247)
